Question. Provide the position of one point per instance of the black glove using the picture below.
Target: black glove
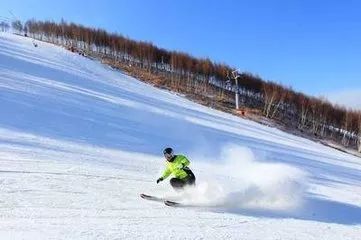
(159, 180)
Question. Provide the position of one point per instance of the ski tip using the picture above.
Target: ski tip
(145, 196)
(171, 203)
(149, 197)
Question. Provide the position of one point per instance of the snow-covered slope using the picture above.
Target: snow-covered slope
(79, 142)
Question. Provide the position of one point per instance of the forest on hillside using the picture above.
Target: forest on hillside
(203, 78)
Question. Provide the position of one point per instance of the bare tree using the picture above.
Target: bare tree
(274, 95)
(304, 104)
(347, 125)
(17, 26)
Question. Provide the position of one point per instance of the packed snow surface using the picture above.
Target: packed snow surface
(80, 141)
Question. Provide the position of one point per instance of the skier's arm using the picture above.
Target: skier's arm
(166, 173)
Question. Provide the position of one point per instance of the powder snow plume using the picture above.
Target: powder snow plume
(250, 183)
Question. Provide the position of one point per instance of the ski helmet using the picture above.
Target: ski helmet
(168, 150)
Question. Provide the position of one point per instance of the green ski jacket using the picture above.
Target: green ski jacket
(176, 166)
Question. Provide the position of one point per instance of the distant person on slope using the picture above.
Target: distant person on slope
(178, 166)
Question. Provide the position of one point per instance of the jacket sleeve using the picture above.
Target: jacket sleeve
(166, 173)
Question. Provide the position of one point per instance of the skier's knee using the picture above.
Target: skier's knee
(176, 183)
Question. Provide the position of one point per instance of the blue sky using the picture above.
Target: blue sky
(312, 46)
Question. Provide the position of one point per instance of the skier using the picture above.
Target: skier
(178, 166)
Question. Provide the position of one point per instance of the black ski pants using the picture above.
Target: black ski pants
(179, 184)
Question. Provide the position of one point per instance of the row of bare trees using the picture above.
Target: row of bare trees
(143, 54)
(202, 76)
(314, 115)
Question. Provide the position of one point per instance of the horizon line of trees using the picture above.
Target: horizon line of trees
(201, 76)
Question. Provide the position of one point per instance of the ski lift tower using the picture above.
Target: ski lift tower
(235, 76)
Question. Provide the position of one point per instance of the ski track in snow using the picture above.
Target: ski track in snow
(79, 142)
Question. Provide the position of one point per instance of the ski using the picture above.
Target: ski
(151, 198)
(158, 199)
